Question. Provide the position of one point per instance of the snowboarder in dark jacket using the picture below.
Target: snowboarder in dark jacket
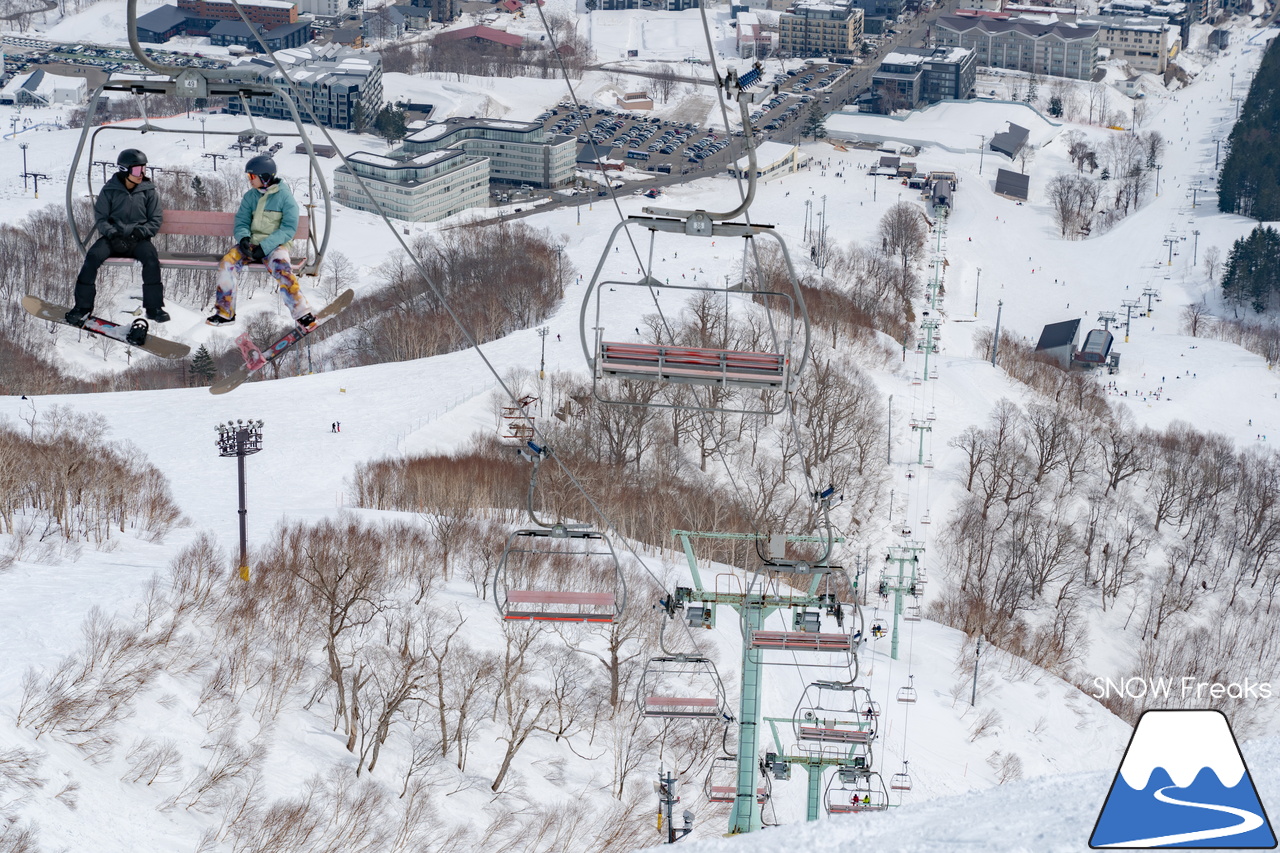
(127, 214)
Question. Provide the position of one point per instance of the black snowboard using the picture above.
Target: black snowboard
(137, 335)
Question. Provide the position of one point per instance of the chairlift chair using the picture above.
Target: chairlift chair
(559, 575)
(721, 785)
(705, 363)
(866, 794)
(184, 227)
(682, 687)
(911, 613)
(834, 712)
(907, 694)
(900, 781)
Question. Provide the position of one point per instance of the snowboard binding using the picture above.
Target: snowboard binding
(253, 358)
(137, 334)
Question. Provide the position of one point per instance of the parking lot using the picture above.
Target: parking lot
(666, 147)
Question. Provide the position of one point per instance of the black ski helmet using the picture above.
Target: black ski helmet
(262, 166)
(131, 157)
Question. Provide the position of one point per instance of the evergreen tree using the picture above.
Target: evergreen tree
(1055, 106)
(202, 364)
(1250, 180)
(391, 123)
(815, 123)
(1253, 269)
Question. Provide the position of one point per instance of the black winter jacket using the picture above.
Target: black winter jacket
(134, 214)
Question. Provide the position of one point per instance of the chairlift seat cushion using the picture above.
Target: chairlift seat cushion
(681, 706)
(210, 223)
(801, 641)
(693, 365)
(581, 599)
(834, 734)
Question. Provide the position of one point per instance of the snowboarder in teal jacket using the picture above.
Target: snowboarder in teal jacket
(264, 229)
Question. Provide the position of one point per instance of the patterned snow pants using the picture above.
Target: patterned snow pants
(277, 263)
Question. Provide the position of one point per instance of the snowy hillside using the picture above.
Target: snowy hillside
(999, 255)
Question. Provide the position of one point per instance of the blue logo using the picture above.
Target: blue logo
(1183, 783)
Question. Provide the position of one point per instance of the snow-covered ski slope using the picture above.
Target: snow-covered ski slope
(437, 404)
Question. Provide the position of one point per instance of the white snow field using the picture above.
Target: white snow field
(1070, 746)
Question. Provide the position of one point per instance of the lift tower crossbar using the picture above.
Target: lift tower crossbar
(753, 604)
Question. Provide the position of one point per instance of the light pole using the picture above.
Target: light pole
(976, 285)
(240, 439)
(995, 342)
(982, 149)
(542, 366)
(1195, 247)
(23, 146)
(977, 654)
(1158, 167)
(203, 119)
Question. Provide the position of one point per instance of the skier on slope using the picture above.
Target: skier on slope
(127, 214)
(264, 229)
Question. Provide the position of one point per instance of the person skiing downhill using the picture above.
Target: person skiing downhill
(127, 214)
(264, 229)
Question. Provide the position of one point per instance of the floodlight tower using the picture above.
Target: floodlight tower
(240, 439)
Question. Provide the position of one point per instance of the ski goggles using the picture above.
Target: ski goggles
(137, 171)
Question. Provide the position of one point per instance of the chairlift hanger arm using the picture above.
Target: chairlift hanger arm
(732, 88)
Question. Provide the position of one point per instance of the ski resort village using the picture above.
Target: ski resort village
(587, 426)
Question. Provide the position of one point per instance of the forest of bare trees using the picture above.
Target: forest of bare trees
(1069, 507)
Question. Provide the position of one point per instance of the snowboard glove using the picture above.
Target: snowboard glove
(246, 247)
(258, 254)
(122, 245)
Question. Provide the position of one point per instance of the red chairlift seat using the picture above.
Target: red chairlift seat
(728, 794)
(900, 782)
(682, 706)
(540, 567)
(693, 365)
(801, 641)
(830, 731)
(681, 687)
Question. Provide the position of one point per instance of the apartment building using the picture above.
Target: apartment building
(519, 152)
(421, 188)
(820, 28)
(909, 76)
(343, 86)
(1145, 44)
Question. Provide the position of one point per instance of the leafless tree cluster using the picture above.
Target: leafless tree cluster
(1073, 198)
(448, 56)
(497, 278)
(1129, 159)
(1259, 336)
(646, 467)
(60, 478)
(1173, 523)
(864, 287)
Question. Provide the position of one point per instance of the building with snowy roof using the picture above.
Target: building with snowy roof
(1014, 185)
(910, 76)
(1056, 49)
(752, 40)
(1009, 142)
(1146, 44)
(655, 5)
(519, 152)
(41, 88)
(341, 85)
(419, 188)
(283, 37)
(484, 34)
(1058, 341)
(773, 160)
(820, 28)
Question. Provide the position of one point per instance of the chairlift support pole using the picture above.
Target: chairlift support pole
(907, 554)
(753, 607)
(815, 766)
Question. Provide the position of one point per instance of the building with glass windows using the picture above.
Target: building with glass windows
(820, 28)
(419, 188)
(519, 152)
(1057, 49)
